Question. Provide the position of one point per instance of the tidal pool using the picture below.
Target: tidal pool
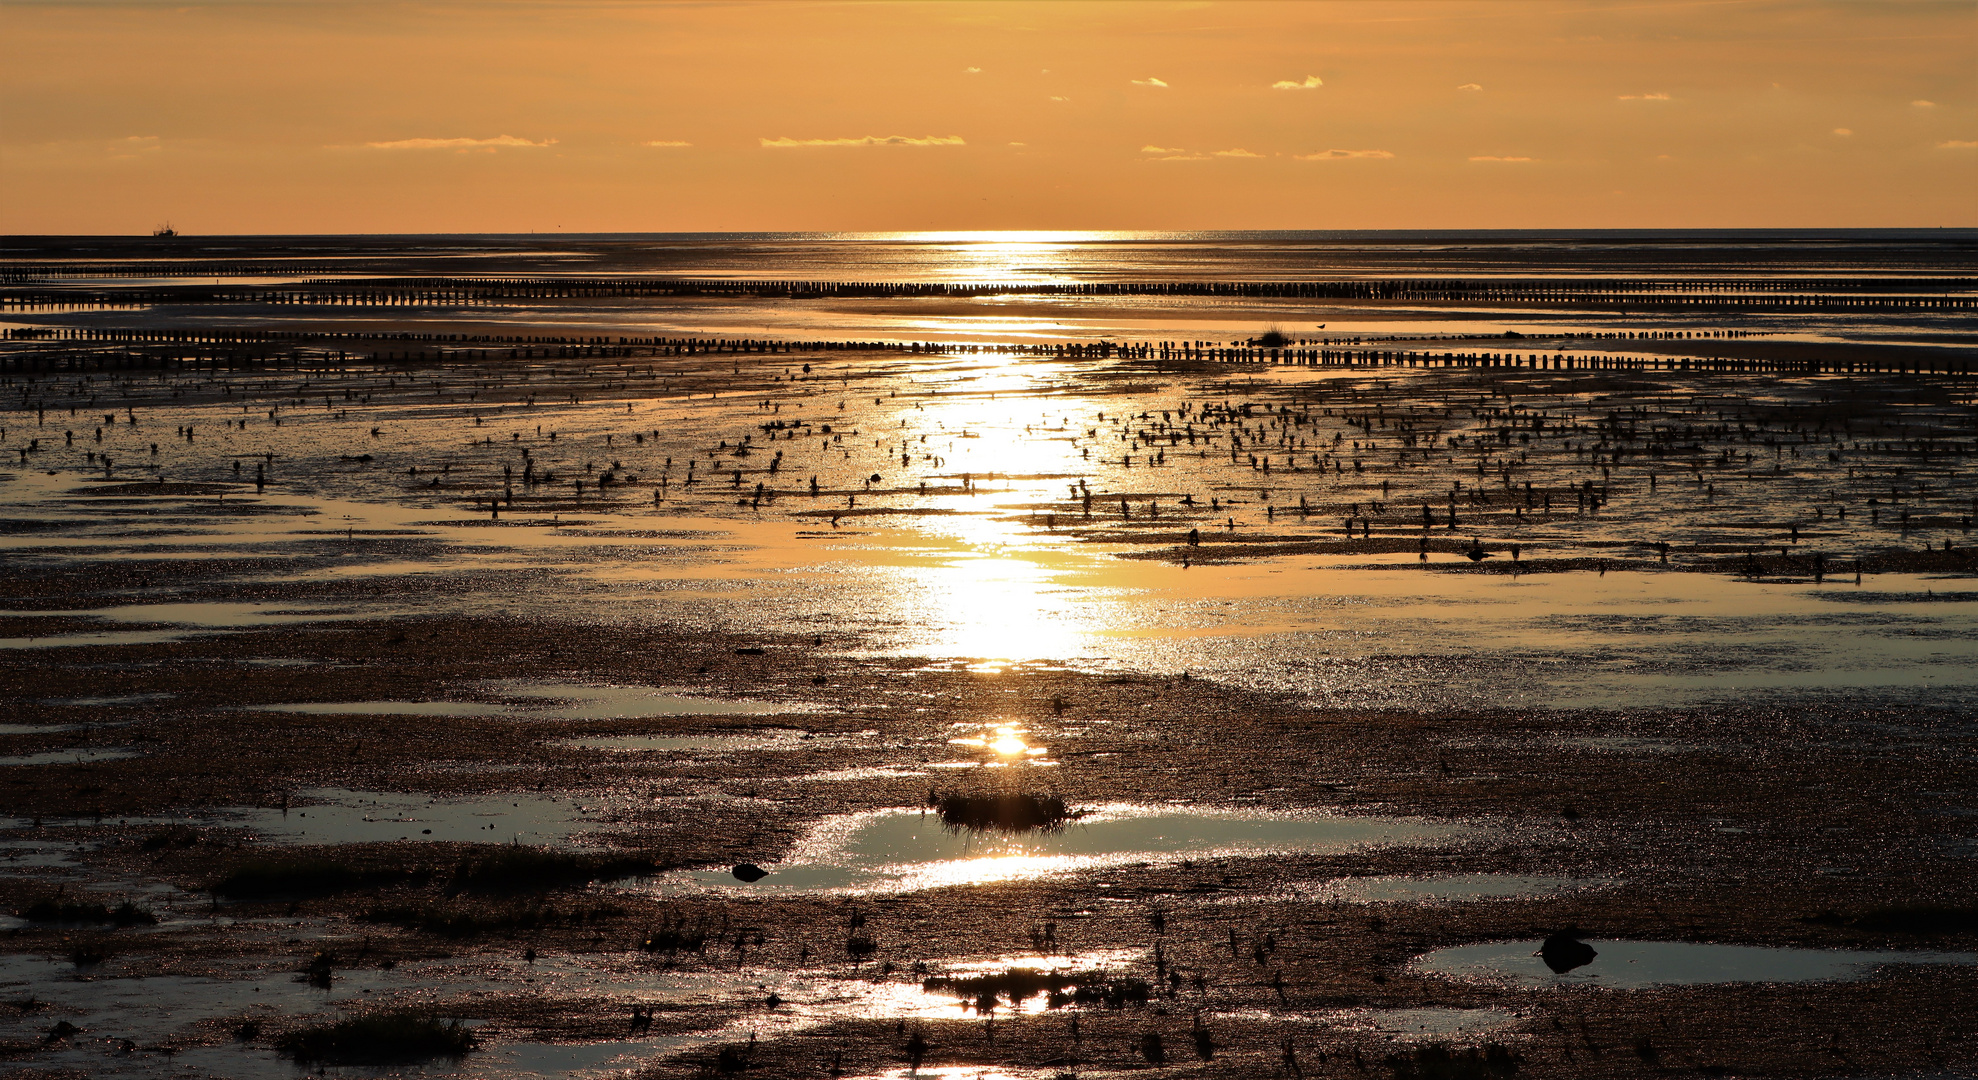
(905, 850)
(344, 816)
(1635, 964)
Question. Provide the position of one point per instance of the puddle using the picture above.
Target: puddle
(1631, 964)
(107, 637)
(343, 816)
(85, 756)
(1458, 887)
(36, 729)
(904, 850)
(559, 701)
(151, 1009)
(577, 1061)
(577, 701)
(389, 708)
(1428, 1023)
(769, 740)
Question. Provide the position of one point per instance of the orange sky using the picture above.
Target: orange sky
(510, 117)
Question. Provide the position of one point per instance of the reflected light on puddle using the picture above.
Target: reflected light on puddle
(1006, 744)
(1001, 612)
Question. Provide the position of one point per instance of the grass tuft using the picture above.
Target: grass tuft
(1002, 813)
(394, 1038)
(515, 868)
(287, 879)
(54, 911)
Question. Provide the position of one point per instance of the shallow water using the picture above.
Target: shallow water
(343, 816)
(1454, 888)
(1634, 964)
(906, 850)
(84, 756)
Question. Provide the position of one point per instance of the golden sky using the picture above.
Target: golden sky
(322, 117)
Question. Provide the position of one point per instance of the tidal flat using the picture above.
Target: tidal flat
(660, 702)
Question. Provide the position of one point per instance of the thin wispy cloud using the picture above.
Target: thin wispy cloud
(1312, 82)
(1470, 87)
(499, 142)
(1843, 131)
(665, 143)
(1494, 157)
(1150, 148)
(786, 142)
(1958, 144)
(130, 146)
(1919, 103)
(1658, 96)
(1341, 155)
(1238, 152)
(1151, 81)
(972, 71)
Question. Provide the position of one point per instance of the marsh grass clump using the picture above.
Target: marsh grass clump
(1002, 813)
(1273, 338)
(394, 1038)
(676, 936)
(515, 868)
(55, 911)
(985, 993)
(462, 922)
(287, 879)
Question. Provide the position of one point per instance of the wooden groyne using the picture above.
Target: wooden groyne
(1699, 295)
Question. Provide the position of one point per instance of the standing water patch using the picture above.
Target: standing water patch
(903, 850)
(1634, 964)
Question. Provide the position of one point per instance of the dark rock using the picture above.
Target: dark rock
(1564, 951)
(749, 872)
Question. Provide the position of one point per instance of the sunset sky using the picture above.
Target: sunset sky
(317, 117)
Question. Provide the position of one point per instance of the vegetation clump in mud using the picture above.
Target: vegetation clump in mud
(288, 879)
(985, 992)
(515, 868)
(1437, 1062)
(58, 911)
(460, 923)
(393, 1038)
(1002, 813)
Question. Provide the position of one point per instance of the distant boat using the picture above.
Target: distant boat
(165, 231)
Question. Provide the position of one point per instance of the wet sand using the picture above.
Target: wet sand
(1814, 819)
